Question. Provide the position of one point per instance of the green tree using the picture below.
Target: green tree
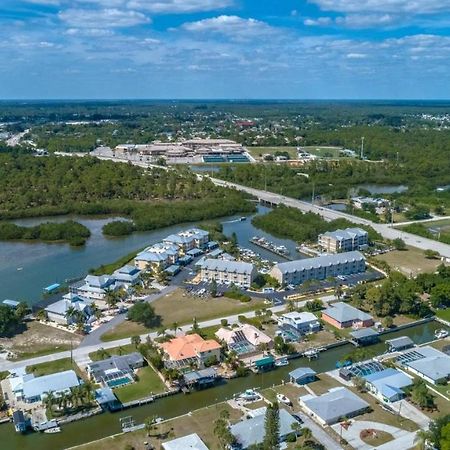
(136, 340)
(399, 244)
(144, 313)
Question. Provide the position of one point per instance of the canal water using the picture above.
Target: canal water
(108, 423)
(26, 268)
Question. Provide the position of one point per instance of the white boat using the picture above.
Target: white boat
(282, 362)
(249, 395)
(283, 399)
(312, 353)
(440, 334)
(53, 430)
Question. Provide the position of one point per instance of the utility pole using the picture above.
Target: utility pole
(312, 196)
(362, 147)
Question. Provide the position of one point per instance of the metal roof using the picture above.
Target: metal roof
(342, 312)
(364, 333)
(227, 266)
(320, 261)
(400, 342)
(389, 382)
(55, 382)
(348, 233)
(301, 372)
(189, 442)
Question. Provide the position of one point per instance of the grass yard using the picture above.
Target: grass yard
(444, 314)
(409, 262)
(200, 422)
(323, 384)
(175, 307)
(148, 383)
(377, 438)
(115, 351)
(49, 367)
(37, 339)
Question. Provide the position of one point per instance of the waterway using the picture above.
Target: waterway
(108, 423)
(26, 267)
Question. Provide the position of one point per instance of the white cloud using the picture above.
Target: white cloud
(178, 6)
(234, 27)
(90, 32)
(318, 22)
(356, 55)
(103, 18)
(384, 6)
(366, 20)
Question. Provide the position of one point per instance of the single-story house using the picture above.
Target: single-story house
(30, 389)
(334, 405)
(181, 351)
(342, 315)
(244, 339)
(364, 336)
(428, 363)
(302, 375)
(388, 384)
(58, 311)
(303, 322)
(189, 442)
(400, 343)
(250, 432)
(114, 368)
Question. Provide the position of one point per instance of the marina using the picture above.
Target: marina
(280, 250)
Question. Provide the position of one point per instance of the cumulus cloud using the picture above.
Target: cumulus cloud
(318, 22)
(233, 27)
(103, 18)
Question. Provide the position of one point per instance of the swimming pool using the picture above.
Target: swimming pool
(118, 382)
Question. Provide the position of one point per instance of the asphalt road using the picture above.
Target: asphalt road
(328, 214)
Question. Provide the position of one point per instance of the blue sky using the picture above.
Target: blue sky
(293, 49)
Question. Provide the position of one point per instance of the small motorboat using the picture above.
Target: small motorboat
(282, 362)
(312, 353)
(243, 218)
(249, 395)
(283, 399)
(440, 334)
(53, 430)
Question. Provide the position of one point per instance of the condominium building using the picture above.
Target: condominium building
(319, 268)
(158, 256)
(343, 240)
(189, 239)
(227, 272)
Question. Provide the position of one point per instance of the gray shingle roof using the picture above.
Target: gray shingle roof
(342, 312)
(320, 261)
(227, 266)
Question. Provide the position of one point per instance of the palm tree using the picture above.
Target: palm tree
(306, 433)
(290, 306)
(135, 340)
(175, 327)
(111, 298)
(88, 391)
(41, 315)
(70, 313)
(338, 291)
(296, 428)
(421, 438)
(150, 424)
(49, 399)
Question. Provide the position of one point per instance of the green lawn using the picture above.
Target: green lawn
(318, 150)
(443, 314)
(49, 367)
(123, 350)
(148, 383)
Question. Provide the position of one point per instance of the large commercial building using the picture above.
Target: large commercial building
(344, 240)
(319, 268)
(226, 272)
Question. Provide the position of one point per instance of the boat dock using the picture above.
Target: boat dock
(279, 250)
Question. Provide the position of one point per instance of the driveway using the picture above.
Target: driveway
(410, 412)
(319, 433)
(402, 439)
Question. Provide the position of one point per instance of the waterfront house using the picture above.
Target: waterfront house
(343, 240)
(388, 384)
(400, 343)
(191, 349)
(334, 405)
(318, 268)
(94, 287)
(302, 375)
(157, 257)
(228, 272)
(30, 389)
(342, 315)
(303, 322)
(199, 379)
(244, 339)
(251, 432)
(189, 442)
(108, 371)
(127, 276)
(58, 312)
(364, 336)
(426, 362)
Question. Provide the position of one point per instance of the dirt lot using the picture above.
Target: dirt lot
(38, 339)
(409, 262)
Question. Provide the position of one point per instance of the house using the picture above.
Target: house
(59, 311)
(334, 405)
(227, 272)
(127, 275)
(428, 363)
(189, 442)
(302, 375)
(343, 240)
(244, 339)
(19, 421)
(364, 336)
(249, 432)
(303, 322)
(378, 204)
(318, 268)
(388, 384)
(157, 257)
(107, 371)
(183, 351)
(30, 389)
(400, 343)
(342, 315)
(94, 287)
